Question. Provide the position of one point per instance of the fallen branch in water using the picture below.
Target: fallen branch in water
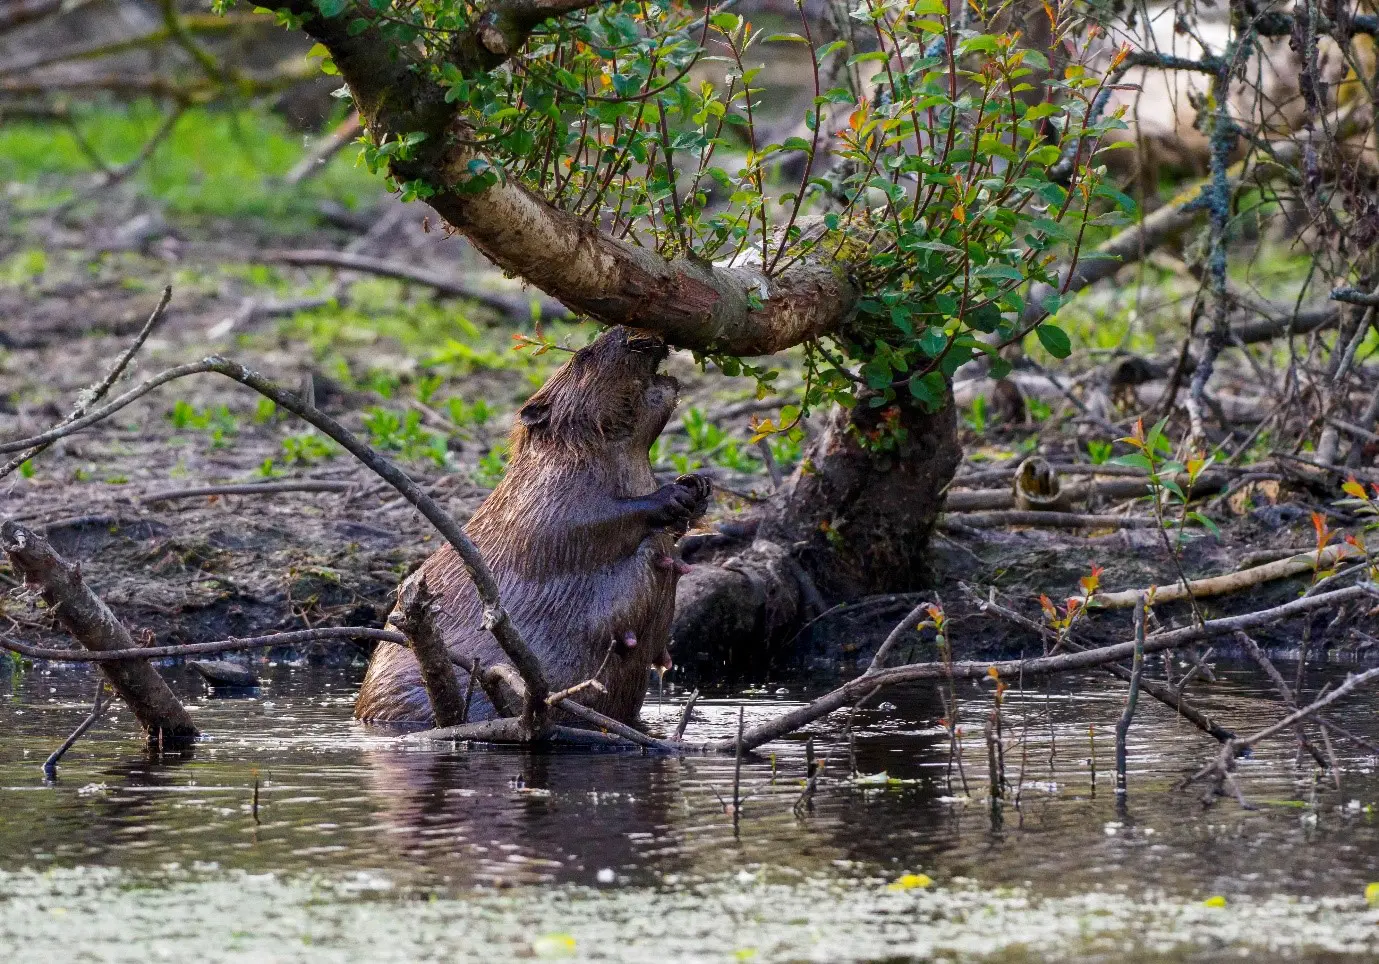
(851, 691)
(415, 617)
(1307, 562)
(331, 634)
(84, 615)
(1169, 696)
(1222, 768)
(1285, 691)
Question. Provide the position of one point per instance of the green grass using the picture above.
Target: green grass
(216, 162)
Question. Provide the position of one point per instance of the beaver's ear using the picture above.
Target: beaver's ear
(535, 414)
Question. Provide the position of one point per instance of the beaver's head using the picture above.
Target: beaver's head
(608, 393)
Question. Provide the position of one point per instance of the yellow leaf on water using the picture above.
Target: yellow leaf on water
(1372, 895)
(911, 881)
(550, 946)
(1216, 901)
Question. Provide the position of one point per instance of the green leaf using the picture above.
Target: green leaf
(1205, 523)
(1136, 460)
(1055, 340)
(331, 8)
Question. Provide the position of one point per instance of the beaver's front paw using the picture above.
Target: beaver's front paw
(679, 502)
(702, 489)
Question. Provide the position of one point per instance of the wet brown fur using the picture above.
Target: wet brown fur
(571, 534)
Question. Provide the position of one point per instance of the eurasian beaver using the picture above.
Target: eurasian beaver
(577, 534)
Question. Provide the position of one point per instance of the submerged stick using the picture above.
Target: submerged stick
(97, 711)
(84, 615)
(737, 765)
(1131, 698)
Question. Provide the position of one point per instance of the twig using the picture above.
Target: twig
(1056, 520)
(247, 488)
(324, 149)
(507, 305)
(97, 711)
(679, 733)
(812, 771)
(496, 619)
(737, 765)
(100, 390)
(1131, 698)
(904, 626)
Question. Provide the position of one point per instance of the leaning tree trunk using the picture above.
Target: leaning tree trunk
(853, 520)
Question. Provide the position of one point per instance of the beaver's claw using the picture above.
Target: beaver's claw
(677, 504)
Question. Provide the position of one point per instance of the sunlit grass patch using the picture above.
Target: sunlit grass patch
(219, 162)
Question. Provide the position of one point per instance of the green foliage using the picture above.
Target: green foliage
(24, 267)
(964, 172)
(404, 435)
(976, 415)
(1154, 454)
(307, 448)
(218, 420)
(466, 414)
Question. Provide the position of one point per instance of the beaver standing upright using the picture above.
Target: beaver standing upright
(577, 534)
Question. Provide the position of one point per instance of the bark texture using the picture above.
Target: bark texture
(852, 521)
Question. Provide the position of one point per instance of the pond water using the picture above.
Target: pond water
(363, 850)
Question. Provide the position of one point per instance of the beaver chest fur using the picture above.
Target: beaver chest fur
(578, 535)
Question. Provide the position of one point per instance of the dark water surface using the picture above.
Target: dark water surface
(367, 851)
